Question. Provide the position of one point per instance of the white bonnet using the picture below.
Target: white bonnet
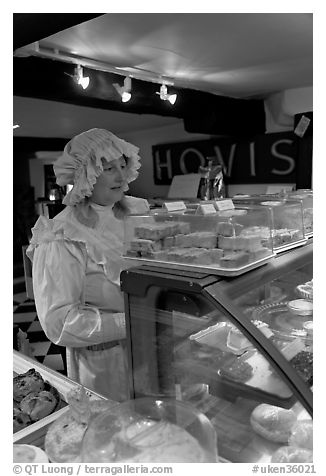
(81, 164)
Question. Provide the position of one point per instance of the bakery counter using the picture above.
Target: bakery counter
(239, 348)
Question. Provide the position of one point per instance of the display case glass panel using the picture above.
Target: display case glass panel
(286, 217)
(306, 198)
(185, 345)
(283, 310)
(227, 243)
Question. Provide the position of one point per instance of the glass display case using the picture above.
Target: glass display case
(306, 198)
(226, 243)
(239, 349)
(286, 218)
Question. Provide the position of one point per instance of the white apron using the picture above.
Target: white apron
(76, 284)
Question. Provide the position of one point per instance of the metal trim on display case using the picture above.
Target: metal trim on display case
(205, 268)
(181, 279)
(290, 246)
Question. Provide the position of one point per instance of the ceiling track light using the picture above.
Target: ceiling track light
(124, 90)
(79, 77)
(141, 74)
(165, 96)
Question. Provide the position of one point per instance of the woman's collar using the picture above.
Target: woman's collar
(101, 208)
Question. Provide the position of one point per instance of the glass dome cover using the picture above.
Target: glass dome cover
(150, 430)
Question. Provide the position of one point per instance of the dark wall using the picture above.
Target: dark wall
(24, 215)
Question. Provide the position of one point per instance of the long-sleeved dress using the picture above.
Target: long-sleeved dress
(76, 284)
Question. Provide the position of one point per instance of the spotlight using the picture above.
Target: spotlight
(124, 90)
(80, 78)
(165, 96)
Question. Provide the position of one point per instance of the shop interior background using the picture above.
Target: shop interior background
(219, 64)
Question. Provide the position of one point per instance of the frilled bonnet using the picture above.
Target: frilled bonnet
(81, 162)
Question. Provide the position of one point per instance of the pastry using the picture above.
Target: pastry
(302, 434)
(38, 405)
(168, 242)
(34, 399)
(262, 231)
(292, 454)
(63, 440)
(152, 231)
(29, 454)
(20, 420)
(227, 242)
(23, 384)
(303, 364)
(251, 243)
(157, 231)
(237, 370)
(145, 245)
(225, 229)
(183, 241)
(204, 239)
(273, 423)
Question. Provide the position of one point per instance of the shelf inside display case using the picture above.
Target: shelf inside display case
(228, 370)
(226, 245)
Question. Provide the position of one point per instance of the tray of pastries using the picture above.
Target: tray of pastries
(33, 399)
(227, 248)
(40, 396)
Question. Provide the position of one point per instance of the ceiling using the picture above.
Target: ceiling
(226, 61)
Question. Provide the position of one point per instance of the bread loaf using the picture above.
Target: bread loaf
(273, 423)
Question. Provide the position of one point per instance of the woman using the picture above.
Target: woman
(77, 260)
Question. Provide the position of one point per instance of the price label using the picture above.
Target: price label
(206, 209)
(174, 206)
(224, 204)
(302, 126)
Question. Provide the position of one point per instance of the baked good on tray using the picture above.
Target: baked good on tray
(303, 364)
(20, 420)
(292, 454)
(29, 454)
(237, 370)
(302, 434)
(38, 404)
(34, 399)
(64, 437)
(23, 384)
(272, 422)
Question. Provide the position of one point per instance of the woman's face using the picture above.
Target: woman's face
(108, 188)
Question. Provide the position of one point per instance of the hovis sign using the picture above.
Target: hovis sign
(267, 158)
